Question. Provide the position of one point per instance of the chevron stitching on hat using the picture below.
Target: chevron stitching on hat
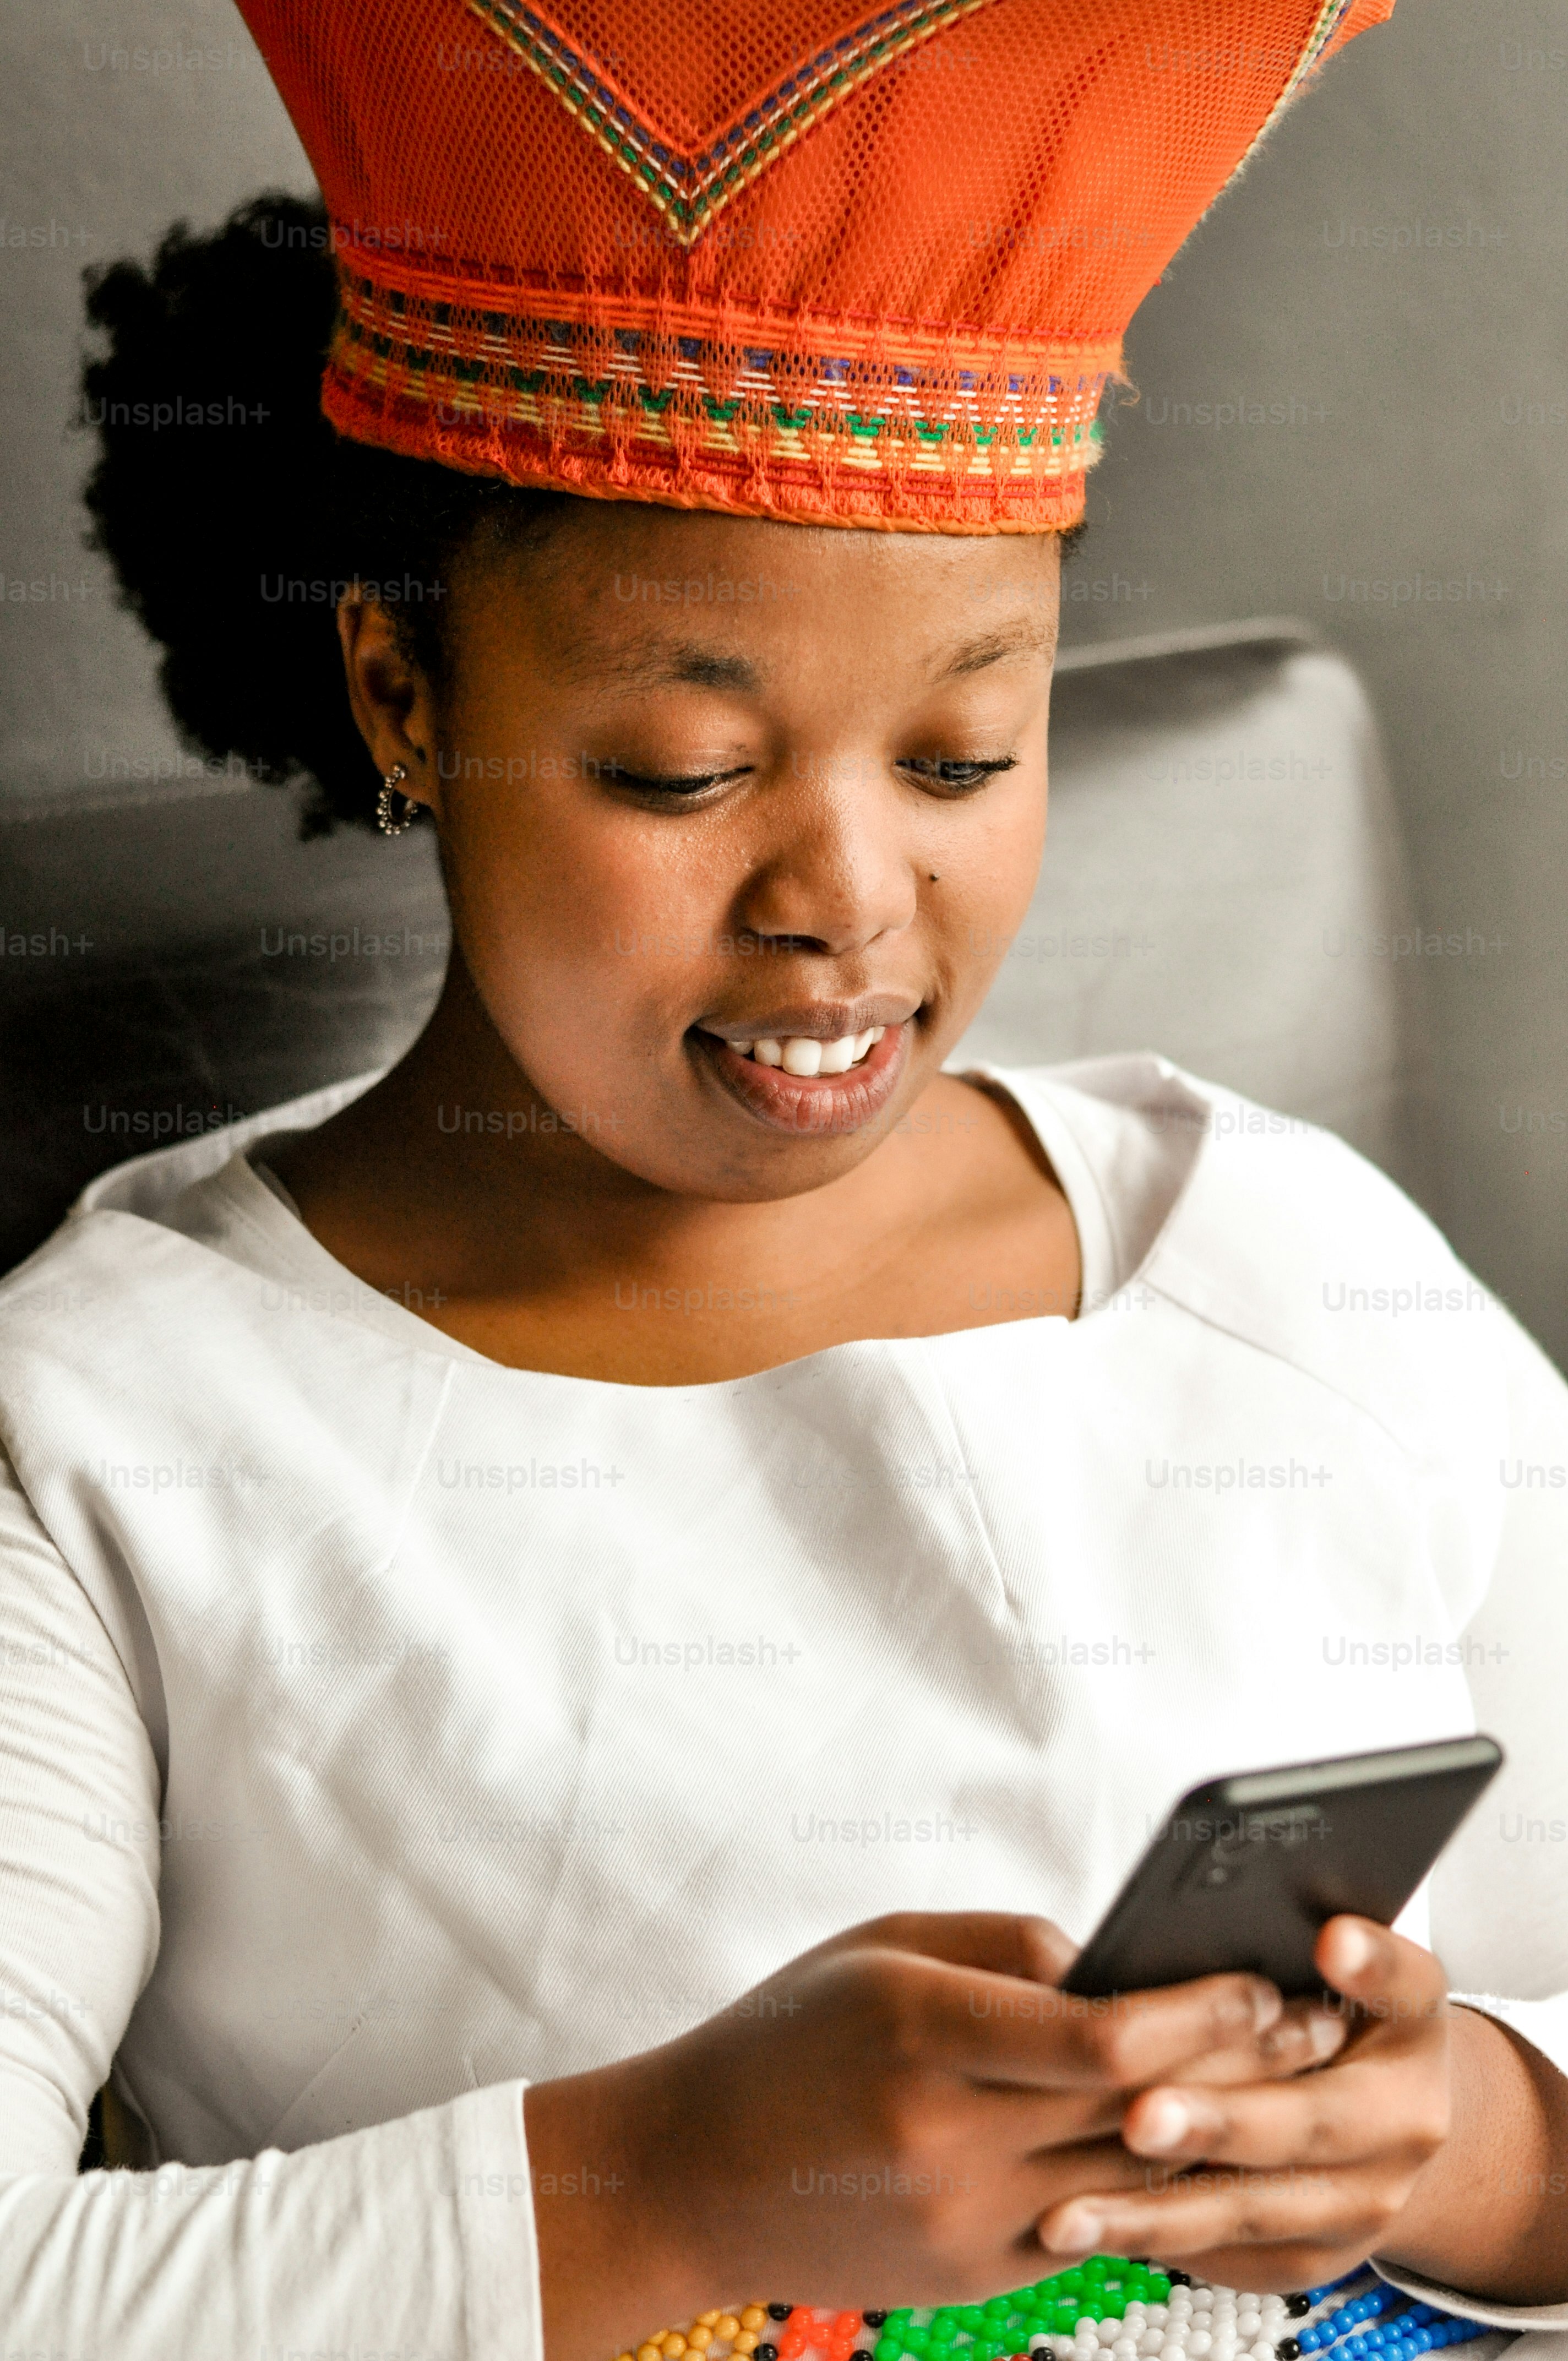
(691, 189)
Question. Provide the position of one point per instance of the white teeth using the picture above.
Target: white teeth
(805, 1056)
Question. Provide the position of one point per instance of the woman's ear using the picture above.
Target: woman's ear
(390, 698)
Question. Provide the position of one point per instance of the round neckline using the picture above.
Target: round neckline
(293, 1257)
(266, 1204)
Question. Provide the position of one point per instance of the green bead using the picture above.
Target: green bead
(971, 2317)
(897, 2320)
(1071, 2283)
(944, 2328)
(888, 2349)
(1159, 2285)
(1098, 2267)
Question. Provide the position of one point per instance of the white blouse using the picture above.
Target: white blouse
(382, 1728)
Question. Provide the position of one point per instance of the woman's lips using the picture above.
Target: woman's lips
(809, 1102)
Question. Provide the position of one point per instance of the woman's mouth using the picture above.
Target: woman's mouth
(799, 1055)
(798, 1083)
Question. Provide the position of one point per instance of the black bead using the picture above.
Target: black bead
(1297, 2304)
(780, 2310)
(860, 2354)
(766, 2352)
(1178, 2279)
(873, 2319)
(1287, 2349)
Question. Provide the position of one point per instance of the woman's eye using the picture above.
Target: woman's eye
(956, 775)
(668, 783)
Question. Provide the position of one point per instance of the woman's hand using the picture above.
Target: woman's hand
(1434, 2139)
(887, 2119)
(1289, 2184)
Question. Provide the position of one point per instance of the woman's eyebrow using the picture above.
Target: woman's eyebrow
(656, 661)
(1030, 635)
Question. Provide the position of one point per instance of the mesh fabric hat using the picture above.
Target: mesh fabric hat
(811, 261)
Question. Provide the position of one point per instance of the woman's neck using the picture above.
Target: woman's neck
(453, 1177)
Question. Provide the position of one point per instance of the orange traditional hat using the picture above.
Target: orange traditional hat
(783, 257)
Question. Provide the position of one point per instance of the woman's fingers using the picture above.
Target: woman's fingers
(1392, 1981)
(1305, 2035)
(1324, 2159)
(1364, 2108)
(1031, 1949)
(1213, 2206)
(995, 2029)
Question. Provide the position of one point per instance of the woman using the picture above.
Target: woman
(510, 1559)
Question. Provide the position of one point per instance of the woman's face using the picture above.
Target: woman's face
(704, 785)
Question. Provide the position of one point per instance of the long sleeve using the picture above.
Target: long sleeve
(1499, 1898)
(415, 2236)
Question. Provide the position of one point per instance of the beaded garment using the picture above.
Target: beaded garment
(844, 263)
(1107, 2308)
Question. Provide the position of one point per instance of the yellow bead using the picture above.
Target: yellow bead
(674, 2346)
(727, 2324)
(700, 2339)
(754, 2315)
(649, 2353)
(707, 2320)
(748, 2341)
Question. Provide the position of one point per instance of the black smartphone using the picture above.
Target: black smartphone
(1246, 1870)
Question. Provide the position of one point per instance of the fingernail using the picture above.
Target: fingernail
(1355, 1946)
(1078, 2232)
(1163, 2123)
(1325, 2033)
(1267, 2006)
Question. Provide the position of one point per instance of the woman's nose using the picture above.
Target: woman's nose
(839, 866)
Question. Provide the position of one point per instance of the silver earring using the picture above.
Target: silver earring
(389, 786)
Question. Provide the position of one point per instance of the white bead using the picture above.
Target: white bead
(1263, 2350)
(1124, 2349)
(1173, 2349)
(1107, 2331)
(1151, 2340)
(1157, 2314)
(1198, 2343)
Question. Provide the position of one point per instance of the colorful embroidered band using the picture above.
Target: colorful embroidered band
(902, 431)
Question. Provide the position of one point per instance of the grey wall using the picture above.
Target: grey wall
(1414, 402)
(1382, 302)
